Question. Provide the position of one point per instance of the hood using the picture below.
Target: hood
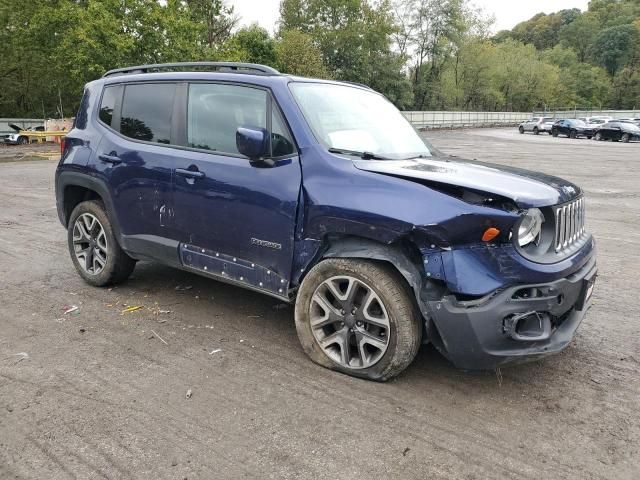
(525, 188)
(16, 127)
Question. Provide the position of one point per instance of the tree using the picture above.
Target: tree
(615, 46)
(296, 54)
(580, 35)
(250, 44)
(353, 37)
(218, 19)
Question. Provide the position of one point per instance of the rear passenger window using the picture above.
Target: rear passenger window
(108, 104)
(215, 111)
(146, 112)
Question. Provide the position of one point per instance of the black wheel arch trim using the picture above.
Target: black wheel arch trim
(358, 247)
(66, 179)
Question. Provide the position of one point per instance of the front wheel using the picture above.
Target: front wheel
(598, 136)
(94, 249)
(521, 129)
(572, 134)
(554, 133)
(23, 140)
(626, 138)
(536, 131)
(358, 317)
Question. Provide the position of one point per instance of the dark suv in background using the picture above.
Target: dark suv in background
(572, 128)
(321, 194)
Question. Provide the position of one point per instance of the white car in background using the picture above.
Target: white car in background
(18, 138)
(537, 125)
(596, 121)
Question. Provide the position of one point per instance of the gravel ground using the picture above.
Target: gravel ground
(100, 394)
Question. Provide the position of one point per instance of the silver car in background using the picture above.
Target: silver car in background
(537, 125)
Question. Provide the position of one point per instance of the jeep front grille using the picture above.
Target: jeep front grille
(569, 223)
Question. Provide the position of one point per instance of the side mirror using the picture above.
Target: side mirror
(252, 142)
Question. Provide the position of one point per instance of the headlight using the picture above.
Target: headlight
(530, 227)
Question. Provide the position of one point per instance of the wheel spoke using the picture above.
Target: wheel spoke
(331, 315)
(364, 337)
(379, 320)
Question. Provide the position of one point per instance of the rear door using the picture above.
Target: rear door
(135, 161)
(236, 218)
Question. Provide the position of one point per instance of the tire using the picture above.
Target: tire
(521, 129)
(104, 248)
(589, 137)
(549, 132)
(23, 140)
(536, 131)
(572, 134)
(598, 136)
(554, 133)
(392, 299)
(626, 138)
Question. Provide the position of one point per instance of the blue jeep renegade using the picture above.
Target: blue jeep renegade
(321, 193)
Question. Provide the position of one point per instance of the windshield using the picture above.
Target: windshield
(357, 121)
(631, 126)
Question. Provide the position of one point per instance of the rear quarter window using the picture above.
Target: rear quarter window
(108, 104)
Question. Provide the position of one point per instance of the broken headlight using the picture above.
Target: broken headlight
(530, 227)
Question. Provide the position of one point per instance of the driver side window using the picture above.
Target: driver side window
(215, 111)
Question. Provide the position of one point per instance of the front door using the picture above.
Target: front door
(236, 218)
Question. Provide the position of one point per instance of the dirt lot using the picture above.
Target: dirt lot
(96, 394)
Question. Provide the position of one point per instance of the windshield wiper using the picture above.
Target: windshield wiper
(363, 155)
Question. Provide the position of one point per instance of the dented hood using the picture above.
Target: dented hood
(15, 127)
(526, 188)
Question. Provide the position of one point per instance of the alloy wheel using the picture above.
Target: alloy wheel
(90, 244)
(350, 322)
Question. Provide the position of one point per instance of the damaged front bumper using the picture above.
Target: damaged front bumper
(515, 324)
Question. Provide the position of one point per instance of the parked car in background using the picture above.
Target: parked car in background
(635, 121)
(19, 138)
(596, 120)
(572, 128)
(321, 194)
(537, 125)
(618, 131)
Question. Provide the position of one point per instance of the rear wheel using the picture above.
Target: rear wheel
(94, 249)
(358, 317)
(626, 138)
(536, 131)
(554, 132)
(23, 140)
(598, 136)
(572, 134)
(521, 129)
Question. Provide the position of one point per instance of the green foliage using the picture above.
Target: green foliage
(614, 47)
(297, 55)
(422, 54)
(250, 44)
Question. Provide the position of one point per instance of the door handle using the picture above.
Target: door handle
(113, 159)
(183, 172)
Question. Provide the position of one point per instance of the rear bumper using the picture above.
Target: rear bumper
(517, 324)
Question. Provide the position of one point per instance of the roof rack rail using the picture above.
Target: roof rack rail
(234, 67)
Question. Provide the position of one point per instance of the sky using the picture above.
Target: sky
(507, 13)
